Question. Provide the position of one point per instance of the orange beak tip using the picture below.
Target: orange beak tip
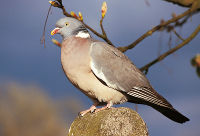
(55, 31)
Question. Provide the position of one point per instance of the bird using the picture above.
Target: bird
(105, 74)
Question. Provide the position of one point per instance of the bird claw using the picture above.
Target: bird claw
(80, 114)
(92, 109)
(108, 106)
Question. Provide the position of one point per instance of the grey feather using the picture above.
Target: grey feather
(119, 71)
(70, 26)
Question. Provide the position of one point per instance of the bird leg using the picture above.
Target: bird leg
(108, 106)
(91, 109)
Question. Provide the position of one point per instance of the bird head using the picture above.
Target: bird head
(68, 26)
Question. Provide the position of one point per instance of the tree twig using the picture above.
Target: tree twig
(161, 57)
(177, 35)
(149, 32)
(42, 40)
(104, 33)
(184, 3)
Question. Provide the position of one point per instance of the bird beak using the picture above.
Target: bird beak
(55, 31)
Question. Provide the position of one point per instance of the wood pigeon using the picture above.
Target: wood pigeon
(104, 73)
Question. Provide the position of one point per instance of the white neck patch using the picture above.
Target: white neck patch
(82, 34)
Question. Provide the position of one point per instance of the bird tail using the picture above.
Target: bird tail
(168, 110)
(164, 107)
(151, 98)
(171, 113)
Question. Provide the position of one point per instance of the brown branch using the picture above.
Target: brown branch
(42, 40)
(95, 32)
(102, 29)
(184, 3)
(177, 35)
(154, 29)
(104, 33)
(161, 57)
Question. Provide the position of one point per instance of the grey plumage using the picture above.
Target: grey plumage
(116, 67)
(70, 27)
(104, 73)
(121, 74)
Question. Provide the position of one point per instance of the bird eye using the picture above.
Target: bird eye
(66, 23)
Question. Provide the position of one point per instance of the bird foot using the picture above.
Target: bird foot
(91, 109)
(108, 106)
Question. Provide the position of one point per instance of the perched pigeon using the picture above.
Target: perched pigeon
(104, 73)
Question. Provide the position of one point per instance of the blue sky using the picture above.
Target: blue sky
(24, 60)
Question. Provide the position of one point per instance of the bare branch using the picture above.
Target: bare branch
(104, 33)
(177, 35)
(161, 57)
(184, 3)
(42, 40)
(102, 29)
(154, 29)
(95, 32)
